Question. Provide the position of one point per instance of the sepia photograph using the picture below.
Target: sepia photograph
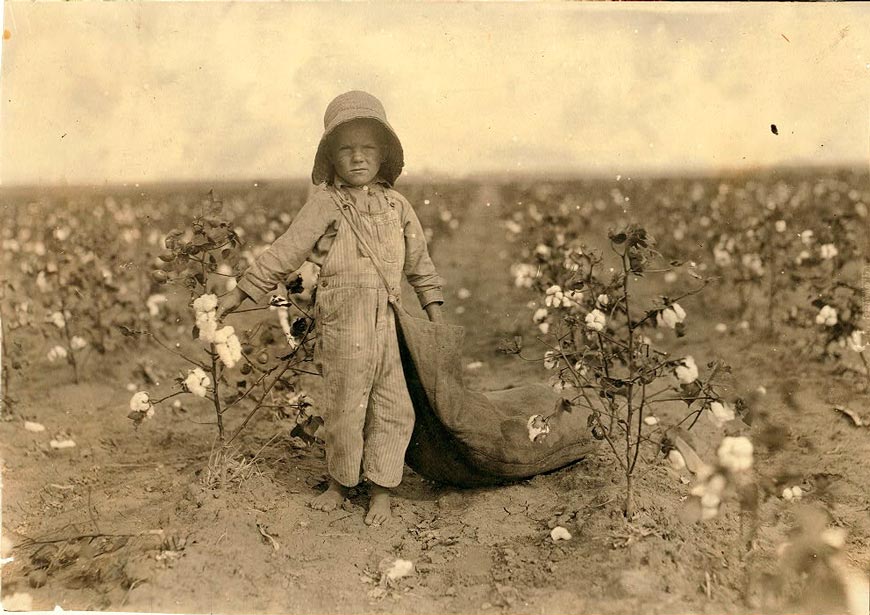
(469, 307)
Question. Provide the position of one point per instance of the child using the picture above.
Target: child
(367, 409)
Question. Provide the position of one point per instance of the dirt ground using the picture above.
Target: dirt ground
(125, 525)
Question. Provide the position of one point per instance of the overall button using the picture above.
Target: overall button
(324, 283)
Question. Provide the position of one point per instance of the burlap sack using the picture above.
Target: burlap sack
(469, 438)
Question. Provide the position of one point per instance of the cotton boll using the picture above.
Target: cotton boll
(735, 454)
(676, 459)
(720, 413)
(687, 373)
(140, 402)
(400, 568)
(197, 382)
(559, 533)
(596, 320)
(77, 343)
(537, 427)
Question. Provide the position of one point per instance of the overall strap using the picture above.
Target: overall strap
(342, 204)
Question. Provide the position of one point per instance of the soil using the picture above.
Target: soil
(124, 523)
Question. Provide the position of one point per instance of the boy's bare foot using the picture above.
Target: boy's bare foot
(331, 498)
(379, 505)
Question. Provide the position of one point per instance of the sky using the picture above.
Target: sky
(129, 92)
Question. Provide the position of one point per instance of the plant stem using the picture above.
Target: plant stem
(221, 459)
(629, 462)
(72, 353)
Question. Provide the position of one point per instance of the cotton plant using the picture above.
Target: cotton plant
(603, 359)
(79, 296)
(229, 369)
(831, 326)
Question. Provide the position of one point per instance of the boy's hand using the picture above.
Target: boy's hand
(230, 302)
(433, 310)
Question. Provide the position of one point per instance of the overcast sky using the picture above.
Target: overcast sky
(142, 92)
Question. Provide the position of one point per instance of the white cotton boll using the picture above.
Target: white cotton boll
(671, 277)
(513, 227)
(602, 300)
(806, 237)
(34, 427)
(537, 427)
(131, 387)
(780, 226)
(400, 568)
(687, 373)
(787, 494)
(77, 342)
(596, 320)
(463, 293)
(207, 327)
(140, 402)
(650, 420)
(679, 312)
(710, 500)
(735, 454)
(797, 492)
(543, 250)
(559, 533)
(539, 315)
(827, 316)
(205, 303)
(720, 413)
(197, 382)
(667, 318)
(676, 459)
(551, 359)
(153, 303)
(834, 537)
(58, 320)
(572, 297)
(554, 297)
(474, 365)
(56, 353)
(721, 327)
(544, 327)
(228, 347)
(857, 342)
(828, 251)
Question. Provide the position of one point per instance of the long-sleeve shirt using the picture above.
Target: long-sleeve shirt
(313, 231)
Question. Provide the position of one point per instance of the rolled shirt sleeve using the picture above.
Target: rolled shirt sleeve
(291, 249)
(419, 268)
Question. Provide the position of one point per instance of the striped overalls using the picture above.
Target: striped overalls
(367, 409)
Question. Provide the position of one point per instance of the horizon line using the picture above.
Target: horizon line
(503, 176)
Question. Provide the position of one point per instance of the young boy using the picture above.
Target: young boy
(367, 409)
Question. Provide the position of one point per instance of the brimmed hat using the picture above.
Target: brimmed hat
(356, 105)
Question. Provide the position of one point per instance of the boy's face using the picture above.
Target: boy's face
(357, 152)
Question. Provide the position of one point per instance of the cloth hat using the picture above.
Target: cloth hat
(355, 105)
